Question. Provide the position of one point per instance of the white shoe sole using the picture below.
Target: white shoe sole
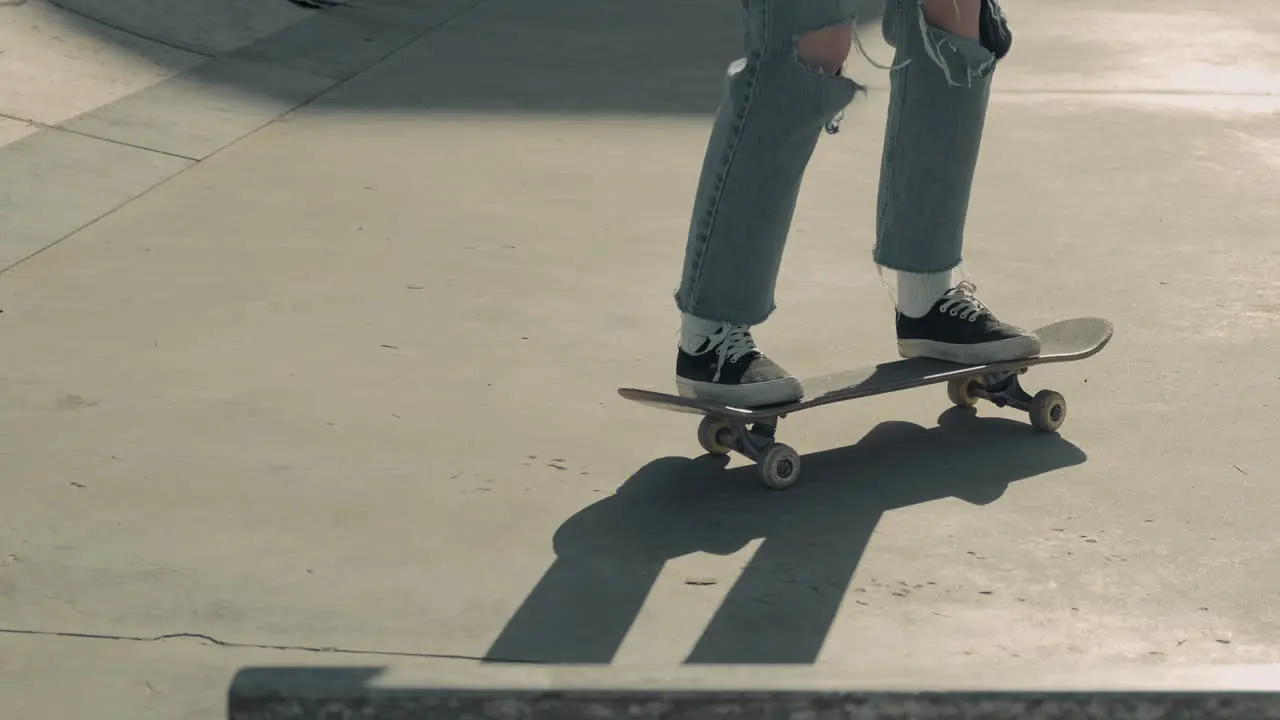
(747, 395)
(1025, 346)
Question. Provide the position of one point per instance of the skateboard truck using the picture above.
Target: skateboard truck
(779, 464)
(1047, 409)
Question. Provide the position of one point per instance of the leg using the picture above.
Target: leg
(777, 100)
(945, 54)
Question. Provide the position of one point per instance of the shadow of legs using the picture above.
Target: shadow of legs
(782, 606)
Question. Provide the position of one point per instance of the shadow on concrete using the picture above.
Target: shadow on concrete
(569, 56)
(781, 607)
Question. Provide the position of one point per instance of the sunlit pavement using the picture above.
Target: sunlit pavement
(306, 355)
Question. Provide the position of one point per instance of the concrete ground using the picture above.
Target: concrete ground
(313, 322)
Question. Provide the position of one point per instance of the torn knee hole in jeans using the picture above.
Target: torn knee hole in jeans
(974, 59)
(824, 50)
(824, 53)
(956, 55)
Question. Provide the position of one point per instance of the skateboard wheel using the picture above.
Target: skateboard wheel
(709, 432)
(780, 466)
(961, 393)
(1048, 411)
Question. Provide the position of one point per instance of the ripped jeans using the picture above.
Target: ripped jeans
(776, 107)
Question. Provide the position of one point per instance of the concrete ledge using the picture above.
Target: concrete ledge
(207, 27)
(273, 62)
(198, 113)
(365, 33)
(373, 693)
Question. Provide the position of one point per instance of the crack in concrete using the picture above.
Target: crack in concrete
(251, 646)
(17, 118)
(442, 23)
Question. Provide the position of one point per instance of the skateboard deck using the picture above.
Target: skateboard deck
(724, 426)
(1062, 341)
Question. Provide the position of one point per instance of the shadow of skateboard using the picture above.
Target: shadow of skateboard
(724, 428)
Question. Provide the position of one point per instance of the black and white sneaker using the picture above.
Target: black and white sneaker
(725, 366)
(959, 328)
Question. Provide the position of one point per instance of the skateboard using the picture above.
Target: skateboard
(751, 431)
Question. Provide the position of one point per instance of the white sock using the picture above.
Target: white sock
(695, 331)
(917, 292)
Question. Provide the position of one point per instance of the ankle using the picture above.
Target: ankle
(697, 334)
(919, 292)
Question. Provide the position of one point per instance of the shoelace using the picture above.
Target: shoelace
(732, 343)
(963, 304)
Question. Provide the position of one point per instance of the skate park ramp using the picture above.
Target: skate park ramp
(105, 49)
(102, 100)
(66, 59)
